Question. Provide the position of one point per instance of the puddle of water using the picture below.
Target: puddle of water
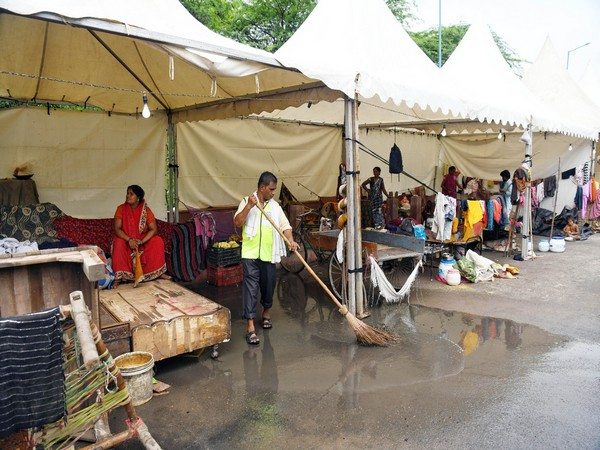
(309, 380)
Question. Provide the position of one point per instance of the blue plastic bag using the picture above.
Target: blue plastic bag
(419, 231)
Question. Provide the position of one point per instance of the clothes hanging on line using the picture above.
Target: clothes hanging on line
(550, 186)
(567, 174)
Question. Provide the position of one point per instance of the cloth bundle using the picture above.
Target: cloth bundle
(11, 246)
(32, 391)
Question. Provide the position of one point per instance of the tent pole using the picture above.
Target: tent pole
(555, 197)
(173, 173)
(360, 313)
(526, 228)
(351, 200)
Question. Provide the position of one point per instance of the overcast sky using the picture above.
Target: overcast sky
(524, 25)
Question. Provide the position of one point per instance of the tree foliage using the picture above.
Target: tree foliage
(451, 36)
(268, 24)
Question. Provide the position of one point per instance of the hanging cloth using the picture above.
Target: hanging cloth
(396, 165)
(386, 289)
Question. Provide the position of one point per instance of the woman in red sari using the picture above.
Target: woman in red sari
(135, 228)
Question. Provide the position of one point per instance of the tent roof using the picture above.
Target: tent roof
(494, 91)
(358, 46)
(589, 83)
(549, 80)
(108, 53)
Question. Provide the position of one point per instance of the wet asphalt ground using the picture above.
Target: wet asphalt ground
(508, 364)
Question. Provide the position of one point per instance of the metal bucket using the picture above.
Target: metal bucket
(136, 369)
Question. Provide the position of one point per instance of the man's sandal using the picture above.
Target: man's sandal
(267, 323)
(252, 338)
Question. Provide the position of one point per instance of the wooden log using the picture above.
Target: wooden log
(79, 312)
(93, 266)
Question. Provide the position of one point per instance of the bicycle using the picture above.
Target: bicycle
(309, 221)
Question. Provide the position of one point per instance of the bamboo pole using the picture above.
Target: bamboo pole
(136, 427)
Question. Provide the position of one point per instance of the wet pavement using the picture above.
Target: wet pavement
(507, 364)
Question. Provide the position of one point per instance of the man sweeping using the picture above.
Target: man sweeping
(262, 248)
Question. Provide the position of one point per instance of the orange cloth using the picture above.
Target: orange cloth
(497, 211)
(152, 253)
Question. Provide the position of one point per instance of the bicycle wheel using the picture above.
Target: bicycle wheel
(291, 262)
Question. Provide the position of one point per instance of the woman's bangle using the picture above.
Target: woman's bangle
(128, 240)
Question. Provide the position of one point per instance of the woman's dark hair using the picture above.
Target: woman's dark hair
(377, 168)
(505, 174)
(137, 190)
(266, 178)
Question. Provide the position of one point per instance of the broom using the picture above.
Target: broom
(138, 276)
(365, 334)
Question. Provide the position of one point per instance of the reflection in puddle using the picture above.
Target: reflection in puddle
(433, 344)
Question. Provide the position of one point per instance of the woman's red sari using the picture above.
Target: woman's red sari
(135, 225)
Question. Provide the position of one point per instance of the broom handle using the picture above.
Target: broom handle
(315, 276)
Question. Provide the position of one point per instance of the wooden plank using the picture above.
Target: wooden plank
(167, 319)
(387, 253)
(93, 267)
(26, 288)
(395, 240)
(183, 334)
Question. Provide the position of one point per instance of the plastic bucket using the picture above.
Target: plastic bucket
(136, 369)
(445, 264)
(557, 244)
(543, 245)
(453, 277)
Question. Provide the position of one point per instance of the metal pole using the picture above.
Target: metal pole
(526, 228)
(440, 34)
(572, 50)
(351, 200)
(173, 173)
(555, 197)
(358, 279)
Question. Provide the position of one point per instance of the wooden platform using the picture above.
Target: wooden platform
(167, 319)
(34, 281)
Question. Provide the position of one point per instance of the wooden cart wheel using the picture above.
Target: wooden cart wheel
(337, 279)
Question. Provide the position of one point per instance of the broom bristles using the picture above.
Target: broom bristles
(368, 335)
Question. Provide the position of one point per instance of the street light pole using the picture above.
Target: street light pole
(440, 35)
(572, 50)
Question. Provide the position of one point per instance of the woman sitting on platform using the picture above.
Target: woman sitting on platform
(136, 235)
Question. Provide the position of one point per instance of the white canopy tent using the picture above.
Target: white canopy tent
(489, 78)
(589, 83)
(550, 81)
(478, 67)
(107, 55)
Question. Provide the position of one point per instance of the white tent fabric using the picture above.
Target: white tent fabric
(479, 68)
(549, 80)
(485, 157)
(108, 53)
(358, 46)
(83, 163)
(590, 83)
(229, 155)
